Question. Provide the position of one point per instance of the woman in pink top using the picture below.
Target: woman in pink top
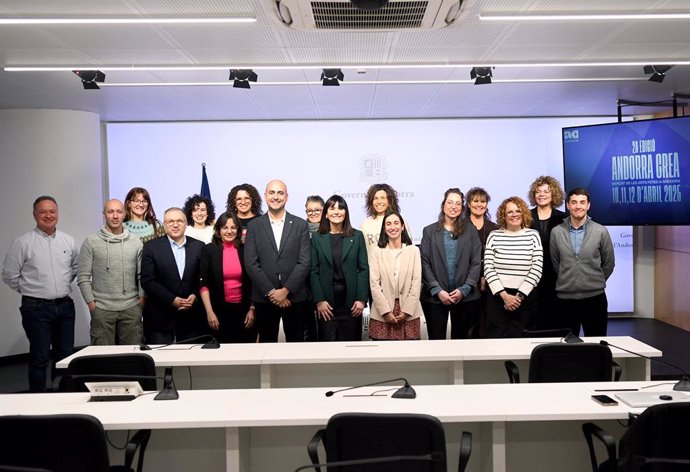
(225, 287)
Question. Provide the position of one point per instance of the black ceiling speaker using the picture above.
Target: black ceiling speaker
(369, 5)
(90, 78)
(658, 73)
(242, 77)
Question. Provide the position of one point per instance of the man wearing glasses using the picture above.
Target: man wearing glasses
(170, 278)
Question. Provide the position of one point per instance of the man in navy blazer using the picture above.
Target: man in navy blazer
(277, 255)
(170, 278)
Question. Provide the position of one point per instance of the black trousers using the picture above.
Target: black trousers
(464, 319)
(501, 323)
(589, 313)
(268, 318)
(231, 327)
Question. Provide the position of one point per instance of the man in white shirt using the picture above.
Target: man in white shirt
(41, 266)
(277, 256)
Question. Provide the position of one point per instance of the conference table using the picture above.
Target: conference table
(516, 427)
(467, 361)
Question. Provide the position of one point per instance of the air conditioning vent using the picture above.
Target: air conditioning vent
(341, 15)
(345, 16)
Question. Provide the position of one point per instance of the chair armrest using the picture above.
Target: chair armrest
(465, 450)
(312, 448)
(617, 371)
(138, 442)
(513, 372)
(590, 431)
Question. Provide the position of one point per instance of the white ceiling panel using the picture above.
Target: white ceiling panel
(267, 42)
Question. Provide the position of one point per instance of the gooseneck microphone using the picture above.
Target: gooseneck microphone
(211, 343)
(406, 391)
(683, 384)
(432, 457)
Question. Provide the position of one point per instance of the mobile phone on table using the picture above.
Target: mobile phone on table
(604, 400)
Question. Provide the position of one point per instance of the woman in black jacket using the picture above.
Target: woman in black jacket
(225, 287)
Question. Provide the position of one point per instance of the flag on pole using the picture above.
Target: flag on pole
(205, 190)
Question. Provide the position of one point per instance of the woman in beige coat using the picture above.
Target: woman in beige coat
(395, 269)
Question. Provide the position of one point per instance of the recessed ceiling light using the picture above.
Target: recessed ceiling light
(119, 21)
(579, 16)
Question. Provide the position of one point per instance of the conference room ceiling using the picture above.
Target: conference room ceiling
(366, 92)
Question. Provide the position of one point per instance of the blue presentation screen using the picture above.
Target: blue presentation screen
(637, 172)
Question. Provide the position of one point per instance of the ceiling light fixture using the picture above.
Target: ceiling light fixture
(579, 16)
(379, 82)
(122, 21)
(242, 77)
(332, 77)
(90, 78)
(481, 75)
(445, 65)
(658, 73)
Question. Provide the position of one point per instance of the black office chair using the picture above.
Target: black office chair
(655, 441)
(57, 443)
(351, 436)
(562, 362)
(134, 366)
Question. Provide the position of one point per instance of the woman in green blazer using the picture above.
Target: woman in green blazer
(339, 274)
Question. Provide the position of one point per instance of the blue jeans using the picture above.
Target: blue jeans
(47, 323)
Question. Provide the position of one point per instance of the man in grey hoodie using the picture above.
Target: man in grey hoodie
(108, 277)
(583, 258)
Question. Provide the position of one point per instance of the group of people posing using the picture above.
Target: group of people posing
(238, 275)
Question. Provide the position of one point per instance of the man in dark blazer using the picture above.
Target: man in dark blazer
(170, 278)
(277, 256)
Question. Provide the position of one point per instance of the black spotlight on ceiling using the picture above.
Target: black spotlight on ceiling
(369, 5)
(481, 75)
(332, 77)
(242, 77)
(658, 72)
(90, 78)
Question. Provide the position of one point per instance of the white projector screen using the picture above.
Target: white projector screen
(419, 158)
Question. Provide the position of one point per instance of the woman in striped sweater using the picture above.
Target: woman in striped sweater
(512, 266)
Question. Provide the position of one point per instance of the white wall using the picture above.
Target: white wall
(47, 152)
(419, 158)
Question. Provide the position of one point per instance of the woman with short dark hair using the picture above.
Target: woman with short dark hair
(200, 213)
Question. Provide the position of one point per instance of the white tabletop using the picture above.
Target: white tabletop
(310, 406)
(355, 352)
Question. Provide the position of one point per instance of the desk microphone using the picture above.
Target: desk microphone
(683, 384)
(406, 391)
(432, 457)
(211, 343)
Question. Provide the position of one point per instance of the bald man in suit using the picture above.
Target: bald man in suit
(277, 256)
